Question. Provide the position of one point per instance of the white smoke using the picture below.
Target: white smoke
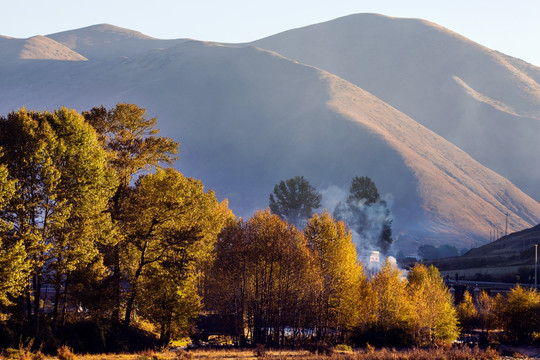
(366, 221)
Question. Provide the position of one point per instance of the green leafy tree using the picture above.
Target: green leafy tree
(171, 226)
(294, 200)
(367, 214)
(363, 189)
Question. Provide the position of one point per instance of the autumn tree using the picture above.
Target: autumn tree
(434, 318)
(391, 318)
(263, 277)
(466, 312)
(171, 226)
(519, 313)
(366, 213)
(13, 262)
(485, 312)
(341, 303)
(62, 186)
(294, 200)
(131, 140)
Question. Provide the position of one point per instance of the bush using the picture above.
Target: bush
(65, 353)
(344, 347)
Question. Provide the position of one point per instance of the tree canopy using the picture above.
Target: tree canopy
(367, 215)
(294, 200)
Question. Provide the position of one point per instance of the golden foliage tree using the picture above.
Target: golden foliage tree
(62, 186)
(13, 263)
(171, 226)
(434, 313)
(132, 144)
(466, 312)
(263, 277)
(391, 306)
(341, 303)
(519, 313)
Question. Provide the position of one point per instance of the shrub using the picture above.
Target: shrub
(343, 347)
(65, 353)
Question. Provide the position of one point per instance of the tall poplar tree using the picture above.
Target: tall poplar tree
(340, 305)
(435, 314)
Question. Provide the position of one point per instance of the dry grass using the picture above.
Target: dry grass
(250, 354)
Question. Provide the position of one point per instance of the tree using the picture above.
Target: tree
(62, 188)
(392, 311)
(433, 303)
(519, 313)
(263, 279)
(485, 314)
(340, 305)
(171, 226)
(466, 312)
(363, 189)
(131, 142)
(294, 200)
(13, 262)
(367, 215)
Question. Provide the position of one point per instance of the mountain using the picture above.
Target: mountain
(485, 102)
(247, 117)
(35, 48)
(104, 41)
(508, 256)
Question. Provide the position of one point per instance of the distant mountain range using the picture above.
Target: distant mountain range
(448, 129)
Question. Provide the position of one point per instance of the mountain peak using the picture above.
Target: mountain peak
(105, 41)
(102, 32)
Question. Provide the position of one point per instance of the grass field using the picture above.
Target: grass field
(464, 353)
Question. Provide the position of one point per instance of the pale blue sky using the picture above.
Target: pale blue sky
(509, 26)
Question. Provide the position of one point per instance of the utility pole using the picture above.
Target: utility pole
(535, 266)
(506, 231)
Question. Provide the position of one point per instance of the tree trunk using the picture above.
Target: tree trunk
(56, 301)
(37, 297)
(129, 306)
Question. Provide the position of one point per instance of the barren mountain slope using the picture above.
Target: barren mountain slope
(35, 48)
(447, 175)
(100, 42)
(485, 102)
(248, 118)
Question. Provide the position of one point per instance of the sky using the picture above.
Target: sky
(509, 26)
